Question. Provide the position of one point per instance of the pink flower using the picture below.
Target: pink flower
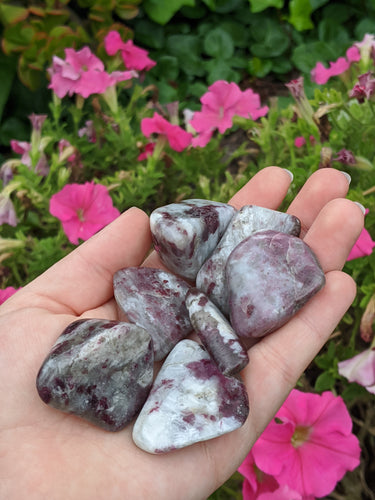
(282, 493)
(360, 369)
(83, 209)
(134, 57)
(149, 149)
(256, 482)
(177, 137)
(22, 148)
(7, 211)
(7, 292)
(353, 54)
(221, 103)
(309, 445)
(299, 141)
(321, 74)
(363, 246)
(82, 73)
(364, 89)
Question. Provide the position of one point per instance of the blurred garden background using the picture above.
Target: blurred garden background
(108, 104)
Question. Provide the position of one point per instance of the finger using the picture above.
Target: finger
(321, 187)
(267, 189)
(83, 279)
(327, 238)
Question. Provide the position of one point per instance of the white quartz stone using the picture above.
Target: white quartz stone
(191, 401)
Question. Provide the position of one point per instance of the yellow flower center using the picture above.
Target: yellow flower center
(301, 435)
(81, 214)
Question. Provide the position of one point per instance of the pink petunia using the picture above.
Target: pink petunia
(83, 209)
(282, 493)
(149, 149)
(299, 141)
(363, 246)
(309, 445)
(7, 292)
(353, 54)
(221, 103)
(177, 137)
(256, 482)
(134, 57)
(360, 369)
(364, 89)
(82, 73)
(320, 74)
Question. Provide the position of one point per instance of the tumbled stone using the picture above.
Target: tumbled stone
(185, 234)
(100, 370)
(270, 276)
(190, 401)
(216, 333)
(248, 220)
(155, 300)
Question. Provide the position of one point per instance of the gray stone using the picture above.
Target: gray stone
(216, 333)
(185, 234)
(250, 219)
(190, 401)
(155, 300)
(100, 370)
(270, 276)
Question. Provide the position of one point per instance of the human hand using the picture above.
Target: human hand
(45, 453)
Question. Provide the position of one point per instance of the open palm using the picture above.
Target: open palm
(48, 454)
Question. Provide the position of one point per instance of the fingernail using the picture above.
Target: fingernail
(290, 174)
(361, 207)
(348, 177)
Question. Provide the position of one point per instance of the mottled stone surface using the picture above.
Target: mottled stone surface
(155, 300)
(216, 333)
(190, 401)
(270, 277)
(211, 277)
(100, 370)
(185, 234)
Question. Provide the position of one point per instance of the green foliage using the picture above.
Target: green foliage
(161, 11)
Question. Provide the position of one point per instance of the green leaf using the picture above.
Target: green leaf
(259, 5)
(161, 11)
(300, 11)
(259, 67)
(13, 128)
(17, 37)
(305, 56)
(10, 14)
(334, 34)
(223, 6)
(167, 67)
(238, 33)
(324, 382)
(149, 34)
(271, 39)
(217, 43)
(8, 71)
(187, 49)
(364, 26)
(220, 69)
(281, 65)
